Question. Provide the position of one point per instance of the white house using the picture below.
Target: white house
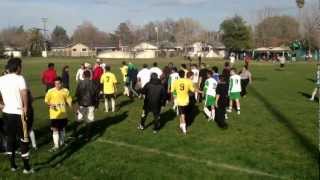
(205, 50)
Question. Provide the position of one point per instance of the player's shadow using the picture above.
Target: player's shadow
(308, 96)
(166, 117)
(97, 130)
(311, 80)
(281, 118)
(125, 103)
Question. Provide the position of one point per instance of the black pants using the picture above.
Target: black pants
(14, 134)
(220, 117)
(244, 84)
(156, 119)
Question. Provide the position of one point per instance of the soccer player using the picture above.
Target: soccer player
(144, 76)
(221, 102)
(215, 73)
(30, 119)
(155, 97)
(203, 74)
(195, 78)
(13, 92)
(246, 79)
(173, 77)
(79, 75)
(317, 80)
(234, 90)
(87, 94)
(182, 87)
(124, 72)
(58, 98)
(184, 69)
(109, 82)
(210, 96)
(156, 69)
(48, 76)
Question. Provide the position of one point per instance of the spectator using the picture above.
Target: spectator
(65, 77)
(48, 76)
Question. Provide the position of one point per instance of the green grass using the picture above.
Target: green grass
(277, 134)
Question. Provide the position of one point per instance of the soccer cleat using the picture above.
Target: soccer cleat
(229, 110)
(155, 132)
(31, 171)
(14, 169)
(311, 99)
(54, 149)
(140, 127)
(238, 112)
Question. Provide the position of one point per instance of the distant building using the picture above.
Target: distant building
(206, 50)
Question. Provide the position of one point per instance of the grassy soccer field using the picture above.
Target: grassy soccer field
(276, 135)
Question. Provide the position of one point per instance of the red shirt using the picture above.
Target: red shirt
(48, 76)
(97, 73)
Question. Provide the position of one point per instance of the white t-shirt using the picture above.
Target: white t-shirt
(10, 87)
(156, 70)
(79, 75)
(195, 78)
(173, 77)
(210, 87)
(235, 84)
(144, 75)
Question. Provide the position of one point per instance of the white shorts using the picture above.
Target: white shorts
(85, 114)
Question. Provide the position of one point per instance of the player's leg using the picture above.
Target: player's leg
(62, 131)
(156, 116)
(113, 103)
(24, 148)
(30, 129)
(90, 120)
(213, 112)
(55, 134)
(106, 103)
(230, 105)
(314, 93)
(33, 139)
(183, 125)
(238, 106)
(143, 119)
(10, 124)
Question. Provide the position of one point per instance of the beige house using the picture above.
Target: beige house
(73, 50)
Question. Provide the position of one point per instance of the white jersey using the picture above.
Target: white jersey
(173, 77)
(144, 75)
(235, 84)
(79, 75)
(156, 70)
(195, 78)
(210, 87)
(10, 87)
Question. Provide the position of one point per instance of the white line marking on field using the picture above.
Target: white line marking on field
(188, 158)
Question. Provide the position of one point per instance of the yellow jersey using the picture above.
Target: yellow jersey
(182, 87)
(109, 81)
(57, 101)
(124, 72)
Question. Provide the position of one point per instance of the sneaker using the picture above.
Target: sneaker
(54, 149)
(14, 169)
(226, 116)
(31, 171)
(229, 110)
(140, 127)
(155, 132)
(238, 112)
(311, 99)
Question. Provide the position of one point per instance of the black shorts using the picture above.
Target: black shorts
(59, 124)
(183, 109)
(109, 96)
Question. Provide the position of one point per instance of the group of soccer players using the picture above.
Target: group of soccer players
(182, 87)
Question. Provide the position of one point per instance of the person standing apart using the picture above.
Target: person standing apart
(14, 94)
(109, 82)
(246, 79)
(221, 102)
(48, 76)
(57, 99)
(182, 87)
(234, 90)
(124, 72)
(65, 77)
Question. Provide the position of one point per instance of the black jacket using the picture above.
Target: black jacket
(87, 93)
(65, 79)
(154, 96)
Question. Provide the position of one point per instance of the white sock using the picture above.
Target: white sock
(207, 112)
(61, 137)
(183, 127)
(196, 96)
(55, 136)
(113, 104)
(33, 139)
(213, 114)
(238, 109)
(106, 104)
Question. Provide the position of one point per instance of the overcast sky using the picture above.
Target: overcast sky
(107, 14)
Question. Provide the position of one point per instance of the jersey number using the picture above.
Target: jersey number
(107, 79)
(181, 87)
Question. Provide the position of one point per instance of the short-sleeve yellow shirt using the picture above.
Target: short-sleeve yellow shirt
(109, 81)
(182, 87)
(57, 101)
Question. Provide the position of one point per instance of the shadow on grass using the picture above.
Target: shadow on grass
(308, 96)
(125, 103)
(280, 117)
(311, 80)
(98, 128)
(262, 79)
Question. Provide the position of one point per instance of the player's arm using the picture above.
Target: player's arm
(191, 87)
(68, 99)
(250, 78)
(1, 102)
(217, 100)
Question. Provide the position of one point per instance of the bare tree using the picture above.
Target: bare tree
(88, 34)
(311, 25)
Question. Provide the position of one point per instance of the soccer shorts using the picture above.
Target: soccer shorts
(109, 96)
(59, 124)
(234, 96)
(85, 114)
(183, 109)
(210, 101)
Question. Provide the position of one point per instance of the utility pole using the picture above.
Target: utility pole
(44, 21)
